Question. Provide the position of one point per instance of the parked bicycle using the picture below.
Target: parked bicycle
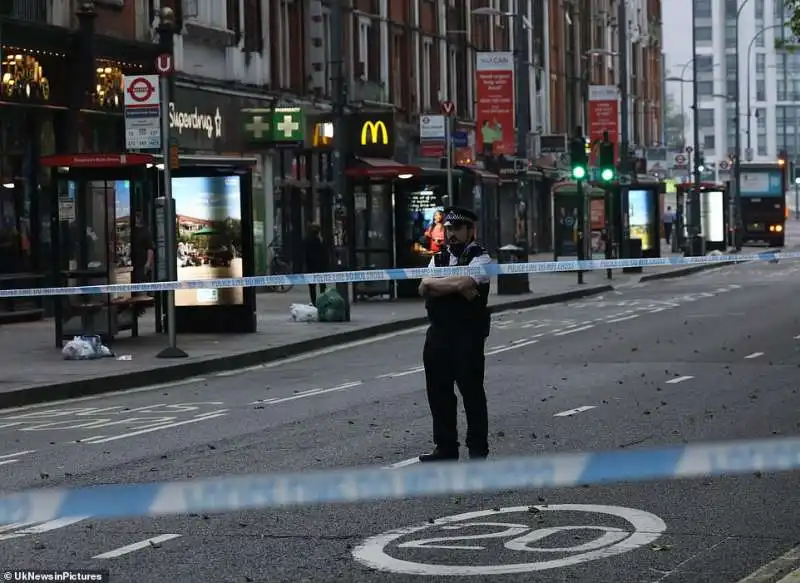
(278, 266)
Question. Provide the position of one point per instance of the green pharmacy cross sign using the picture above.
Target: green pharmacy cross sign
(276, 127)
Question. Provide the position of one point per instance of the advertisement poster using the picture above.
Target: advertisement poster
(603, 116)
(494, 93)
(597, 209)
(209, 223)
(642, 217)
(712, 217)
(566, 227)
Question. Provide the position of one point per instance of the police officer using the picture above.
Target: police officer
(453, 355)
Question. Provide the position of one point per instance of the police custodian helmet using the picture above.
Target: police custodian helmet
(455, 216)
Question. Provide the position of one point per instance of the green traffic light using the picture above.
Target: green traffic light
(607, 174)
(579, 172)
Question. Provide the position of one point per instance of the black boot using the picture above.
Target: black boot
(439, 454)
(478, 454)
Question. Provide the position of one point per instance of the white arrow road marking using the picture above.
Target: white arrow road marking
(572, 412)
(136, 546)
(754, 355)
(205, 417)
(41, 528)
(677, 380)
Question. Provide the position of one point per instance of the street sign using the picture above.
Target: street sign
(142, 108)
(460, 139)
(279, 126)
(164, 65)
(432, 127)
(448, 107)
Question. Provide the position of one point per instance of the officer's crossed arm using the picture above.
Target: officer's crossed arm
(456, 284)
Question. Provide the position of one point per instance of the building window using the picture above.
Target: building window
(731, 8)
(730, 66)
(704, 35)
(762, 145)
(329, 66)
(705, 63)
(705, 88)
(761, 64)
(364, 24)
(730, 36)
(760, 37)
(759, 10)
(709, 142)
(427, 70)
(397, 72)
(705, 118)
(761, 129)
(208, 12)
(761, 90)
(730, 89)
(703, 8)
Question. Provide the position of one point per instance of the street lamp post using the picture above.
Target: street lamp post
(737, 160)
(747, 79)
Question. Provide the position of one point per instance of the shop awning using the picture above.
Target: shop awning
(480, 173)
(382, 168)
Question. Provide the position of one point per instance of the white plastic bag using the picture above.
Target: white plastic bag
(85, 348)
(304, 313)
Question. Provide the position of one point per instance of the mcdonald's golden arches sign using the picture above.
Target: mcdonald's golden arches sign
(372, 135)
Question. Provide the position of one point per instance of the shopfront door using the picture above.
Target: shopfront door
(374, 234)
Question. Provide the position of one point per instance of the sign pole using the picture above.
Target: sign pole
(172, 350)
(448, 143)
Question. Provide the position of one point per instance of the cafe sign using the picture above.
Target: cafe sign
(197, 120)
(372, 134)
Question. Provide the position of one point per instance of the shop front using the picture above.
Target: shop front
(381, 192)
(61, 93)
(479, 191)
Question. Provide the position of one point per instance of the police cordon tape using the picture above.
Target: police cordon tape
(491, 269)
(231, 493)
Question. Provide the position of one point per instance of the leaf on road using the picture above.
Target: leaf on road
(661, 548)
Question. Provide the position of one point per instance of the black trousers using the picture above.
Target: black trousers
(312, 292)
(456, 358)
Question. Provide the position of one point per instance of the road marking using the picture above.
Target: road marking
(6, 462)
(394, 375)
(520, 539)
(622, 319)
(677, 380)
(17, 454)
(42, 528)
(402, 464)
(573, 330)
(793, 577)
(314, 393)
(512, 347)
(767, 573)
(230, 373)
(204, 417)
(572, 412)
(796, 337)
(754, 355)
(136, 546)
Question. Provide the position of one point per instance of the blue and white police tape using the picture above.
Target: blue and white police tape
(233, 493)
(491, 269)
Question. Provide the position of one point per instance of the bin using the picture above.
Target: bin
(635, 252)
(698, 246)
(517, 283)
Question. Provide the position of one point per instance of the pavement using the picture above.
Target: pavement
(34, 370)
(710, 357)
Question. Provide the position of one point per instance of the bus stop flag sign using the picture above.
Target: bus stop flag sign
(142, 112)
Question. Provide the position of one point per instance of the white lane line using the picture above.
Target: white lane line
(793, 577)
(402, 464)
(573, 330)
(512, 347)
(572, 412)
(230, 373)
(754, 355)
(206, 417)
(775, 568)
(136, 546)
(796, 337)
(394, 375)
(7, 462)
(315, 392)
(43, 527)
(16, 454)
(622, 319)
(677, 380)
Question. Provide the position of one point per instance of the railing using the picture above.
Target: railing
(31, 10)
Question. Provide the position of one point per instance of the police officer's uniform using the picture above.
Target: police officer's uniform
(454, 353)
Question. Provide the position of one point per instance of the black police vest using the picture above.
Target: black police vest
(454, 311)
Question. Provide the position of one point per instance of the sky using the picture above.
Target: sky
(677, 44)
(193, 198)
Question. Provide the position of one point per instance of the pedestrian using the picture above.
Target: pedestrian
(316, 258)
(669, 219)
(459, 319)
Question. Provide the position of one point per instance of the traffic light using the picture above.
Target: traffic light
(578, 159)
(608, 172)
(783, 158)
(701, 161)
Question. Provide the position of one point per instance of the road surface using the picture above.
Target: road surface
(709, 357)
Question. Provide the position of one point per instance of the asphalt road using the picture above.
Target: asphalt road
(714, 356)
